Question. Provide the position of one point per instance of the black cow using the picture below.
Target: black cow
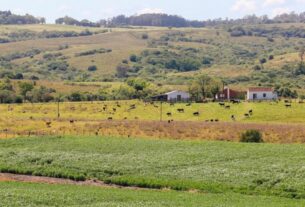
(196, 113)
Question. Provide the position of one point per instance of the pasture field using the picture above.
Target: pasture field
(277, 122)
(31, 194)
(206, 167)
(263, 112)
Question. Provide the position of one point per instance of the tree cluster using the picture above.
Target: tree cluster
(71, 21)
(7, 17)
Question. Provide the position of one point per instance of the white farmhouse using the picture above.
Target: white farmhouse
(258, 94)
(178, 96)
(173, 96)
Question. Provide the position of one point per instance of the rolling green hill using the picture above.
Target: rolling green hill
(161, 55)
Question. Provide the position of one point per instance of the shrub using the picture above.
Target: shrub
(133, 58)
(144, 36)
(252, 135)
(92, 68)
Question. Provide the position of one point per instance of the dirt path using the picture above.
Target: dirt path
(47, 180)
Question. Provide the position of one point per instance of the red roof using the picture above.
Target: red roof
(260, 89)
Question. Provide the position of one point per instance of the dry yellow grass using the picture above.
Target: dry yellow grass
(277, 123)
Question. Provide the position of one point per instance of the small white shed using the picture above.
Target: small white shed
(258, 94)
(178, 96)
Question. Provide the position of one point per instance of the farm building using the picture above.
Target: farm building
(229, 94)
(173, 96)
(261, 94)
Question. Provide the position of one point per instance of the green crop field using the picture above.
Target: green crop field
(208, 167)
(30, 194)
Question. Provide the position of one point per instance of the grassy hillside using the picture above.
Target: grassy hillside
(217, 52)
(57, 195)
(210, 167)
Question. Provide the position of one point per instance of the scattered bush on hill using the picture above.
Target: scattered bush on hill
(92, 52)
(253, 135)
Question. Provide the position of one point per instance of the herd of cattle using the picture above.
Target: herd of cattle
(112, 109)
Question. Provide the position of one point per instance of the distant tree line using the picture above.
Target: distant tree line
(160, 20)
(237, 31)
(7, 17)
(71, 21)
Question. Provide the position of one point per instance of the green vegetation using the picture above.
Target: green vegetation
(30, 194)
(252, 136)
(92, 52)
(214, 167)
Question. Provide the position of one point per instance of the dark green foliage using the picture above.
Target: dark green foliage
(18, 55)
(271, 57)
(252, 135)
(7, 17)
(182, 61)
(58, 65)
(257, 67)
(122, 71)
(133, 58)
(207, 61)
(93, 52)
(71, 21)
(144, 36)
(75, 96)
(162, 20)
(92, 68)
(286, 92)
(269, 33)
(125, 61)
(300, 69)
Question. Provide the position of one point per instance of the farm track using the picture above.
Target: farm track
(8, 177)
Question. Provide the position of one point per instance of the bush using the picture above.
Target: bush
(252, 135)
(92, 68)
(133, 58)
(144, 36)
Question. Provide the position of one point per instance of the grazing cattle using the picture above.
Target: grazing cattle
(287, 101)
(196, 113)
(233, 117)
(180, 110)
(228, 107)
(288, 105)
(247, 115)
(189, 104)
(212, 120)
(125, 118)
(71, 121)
(251, 112)
(216, 120)
(114, 109)
(235, 101)
(110, 118)
(172, 104)
(48, 123)
(221, 104)
(169, 114)
(104, 108)
(118, 105)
